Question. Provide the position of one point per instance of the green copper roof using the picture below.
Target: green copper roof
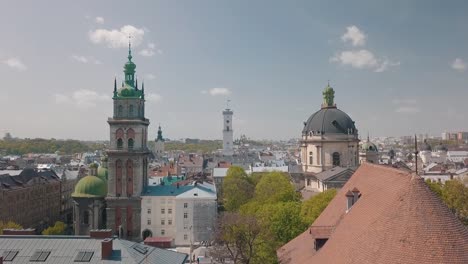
(369, 146)
(129, 87)
(328, 96)
(90, 187)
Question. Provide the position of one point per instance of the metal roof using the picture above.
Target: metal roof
(64, 249)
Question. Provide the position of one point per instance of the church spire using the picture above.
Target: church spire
(160, 137)
(129, 67)
(115, 86)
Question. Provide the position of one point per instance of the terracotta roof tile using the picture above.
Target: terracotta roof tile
(398, 219)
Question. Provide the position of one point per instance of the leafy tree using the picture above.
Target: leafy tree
(435, 187)
(454, 194)
(237, 237)
(275, 187)
(9, 225)
(237, 188)
(57, 229)
(314, 206)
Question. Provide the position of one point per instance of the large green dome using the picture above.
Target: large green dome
(90, 187)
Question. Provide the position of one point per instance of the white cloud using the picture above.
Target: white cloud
(459, 65)
(99, 20)
(407, 109)
(85, 59)
(15, 63)
(153, 97)
(363, 59)
(147, 52)
(150, 76)
(150, 50)
(355, 36)
(217, 91)
(82, 98)
(406, 105)
(117, 38)
(360, 59)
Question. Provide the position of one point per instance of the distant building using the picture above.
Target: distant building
(429, 155)
(228, 142)
(381, 215)
(368, 152)
(30, 197)
(329, 138)
(159, 144)
(190, 164)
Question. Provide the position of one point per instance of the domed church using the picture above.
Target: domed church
(329, 138)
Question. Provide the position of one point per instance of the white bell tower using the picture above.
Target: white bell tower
(227, 132)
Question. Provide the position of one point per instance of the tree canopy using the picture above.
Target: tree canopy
(237, 189)
(9, 225)
(57, 229)
(454, 194)
(315, 205)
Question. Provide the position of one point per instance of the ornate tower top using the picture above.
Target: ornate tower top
(160, 137)
(328, 97)
(130, 85)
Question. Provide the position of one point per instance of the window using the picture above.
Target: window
(119, 143)
(336, 159)
(148, 221)
(308, 182)
(39, 256)
(120, 110)
(320, 242)
(163, 222)
(311, 158)
(163, 232)
(86, 218)
(130, 110)
(185, 237)
(169, 222)
(9, 255)
(130, 143)
(169, 211)
(163, 211)
(149, 210)
(84, 256)
(227, 128)
(185, 205)
(185, 215)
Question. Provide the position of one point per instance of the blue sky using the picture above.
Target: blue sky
(397, 67)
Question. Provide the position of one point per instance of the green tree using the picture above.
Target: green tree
(237, 189)
(455, 195)
(237, 237)
(315, 205)
(275, 187)
(57, 229)
(435, 187)
(9, 225)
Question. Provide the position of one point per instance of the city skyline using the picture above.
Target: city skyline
(397, 68)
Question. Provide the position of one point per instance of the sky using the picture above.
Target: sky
(397, 67)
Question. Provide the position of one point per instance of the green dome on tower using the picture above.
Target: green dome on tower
(102, 173)
(90, 187)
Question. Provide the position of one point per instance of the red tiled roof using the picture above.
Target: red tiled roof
(397, 219)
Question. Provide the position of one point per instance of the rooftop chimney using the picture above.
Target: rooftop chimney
(349, 200)
(356, 194)
(106, 248)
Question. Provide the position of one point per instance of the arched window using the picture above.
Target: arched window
(130, 110)
(86, 217)
(118, 177)
(129, 168)
(119, 143)
(336, 159)
(130, 133)
(130, 143)
(311, 158)
(146, 233)
(119, 110)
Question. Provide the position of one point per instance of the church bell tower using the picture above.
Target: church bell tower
(127, 156)
(228, 144)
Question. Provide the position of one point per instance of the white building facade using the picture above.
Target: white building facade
(228, 133)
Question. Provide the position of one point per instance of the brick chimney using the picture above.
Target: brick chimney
(100, 233)
(106, 248)
(19, 232)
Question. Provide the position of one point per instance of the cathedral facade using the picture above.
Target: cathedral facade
(329, 138)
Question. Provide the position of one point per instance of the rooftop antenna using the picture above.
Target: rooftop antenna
(227, 103)
(416, 152)
(328, 82)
